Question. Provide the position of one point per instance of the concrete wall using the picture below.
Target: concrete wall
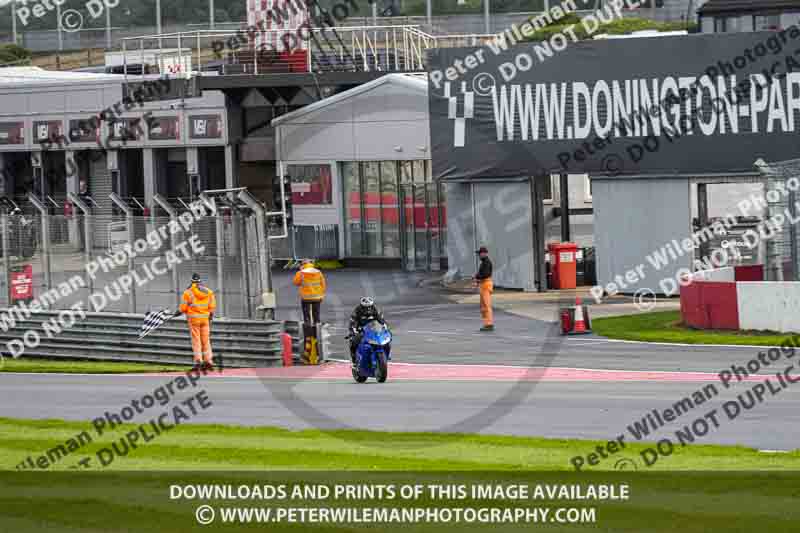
(710, 305)
(742, 305)
(769, 305)
(632, 219)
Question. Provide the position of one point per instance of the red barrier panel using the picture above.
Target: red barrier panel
(691, 306)
(710, 305)
(748, 273)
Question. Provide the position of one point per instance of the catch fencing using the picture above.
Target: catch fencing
(780, 187)
(78, 254)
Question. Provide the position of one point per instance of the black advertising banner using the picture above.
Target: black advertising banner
(165, 129)
(205, 127)
(684, 104)
(126, 129)
(395, 501)
(81, 131)
(12, 133)
(47, 130)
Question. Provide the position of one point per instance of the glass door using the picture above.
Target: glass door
(422, 236)
(435, 223)
(419, 217)
(407, 233)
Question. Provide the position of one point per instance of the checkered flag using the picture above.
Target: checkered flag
(452, 112)
(153, 320)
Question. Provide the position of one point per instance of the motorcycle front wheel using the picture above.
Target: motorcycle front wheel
(382, 372)
(357, 375)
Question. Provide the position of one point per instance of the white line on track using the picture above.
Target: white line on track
(482, 365)
(599, 339)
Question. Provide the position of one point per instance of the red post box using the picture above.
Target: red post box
(563, 264)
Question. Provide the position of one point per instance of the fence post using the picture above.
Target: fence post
(6, 254)
(131, 238)
(218, 218)
(245, 266)
(45, 221)
(173, 219)
(87, 234)
(264, 267)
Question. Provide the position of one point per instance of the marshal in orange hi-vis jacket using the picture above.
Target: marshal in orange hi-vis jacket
(199, 304)
(311, 285)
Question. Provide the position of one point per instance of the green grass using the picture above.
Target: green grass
(134, 493)
(216, 447)
(24, 364)
(665, 326)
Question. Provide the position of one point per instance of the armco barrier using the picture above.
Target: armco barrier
(113, 336)
(710, 305)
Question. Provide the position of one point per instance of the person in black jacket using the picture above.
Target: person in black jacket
(364, 312)
(484, 281)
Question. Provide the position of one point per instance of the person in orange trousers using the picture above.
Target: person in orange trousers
(199, 304)
(484, 281)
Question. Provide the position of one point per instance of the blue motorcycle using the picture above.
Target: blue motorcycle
(373, 352)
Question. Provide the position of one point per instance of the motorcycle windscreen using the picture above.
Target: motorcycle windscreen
(377, 333)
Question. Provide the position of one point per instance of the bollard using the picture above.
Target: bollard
(288, 357)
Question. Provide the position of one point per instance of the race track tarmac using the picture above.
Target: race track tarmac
(523, 379)
(567, 404)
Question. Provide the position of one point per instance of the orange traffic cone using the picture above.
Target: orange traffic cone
(580, 324)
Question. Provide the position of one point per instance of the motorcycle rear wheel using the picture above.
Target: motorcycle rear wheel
(382, 372)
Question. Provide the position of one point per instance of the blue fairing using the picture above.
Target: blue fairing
(377, 338)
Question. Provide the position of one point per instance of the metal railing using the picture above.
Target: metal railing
(319, 242)
(384, 48)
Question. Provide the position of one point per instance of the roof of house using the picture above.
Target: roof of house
(418, 82)
(714, 7)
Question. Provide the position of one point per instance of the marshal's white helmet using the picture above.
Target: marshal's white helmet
(366, 301)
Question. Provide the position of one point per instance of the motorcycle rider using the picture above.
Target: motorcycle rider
(365, 311)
